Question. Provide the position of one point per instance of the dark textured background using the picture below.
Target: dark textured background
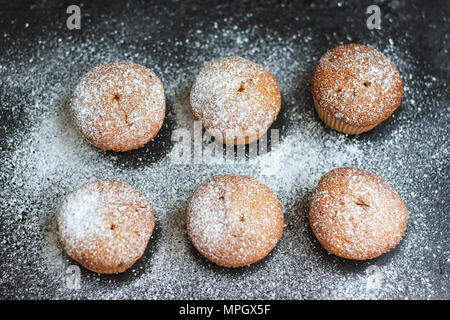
(425, 23)
(422, 25)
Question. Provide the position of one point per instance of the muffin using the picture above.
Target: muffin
(234, 220)
(356, 214)
(105, 225)
(235, 99)
(119, 106)
(355, 88)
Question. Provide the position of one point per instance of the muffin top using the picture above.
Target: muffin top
(356, 214)
(119, 106)
(234, 220)
(105, 225)
(235, 97)
(357, 85)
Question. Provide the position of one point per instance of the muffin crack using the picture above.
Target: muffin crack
(116, 101)
(361, 203)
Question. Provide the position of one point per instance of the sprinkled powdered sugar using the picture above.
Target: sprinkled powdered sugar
(235, 96)
(356, 84)
(234, 220)
(49, 158)
(356, 214)
(81, 215)
(119, 106)
(105, 225)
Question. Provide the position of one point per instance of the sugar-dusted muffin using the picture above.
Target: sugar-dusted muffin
(119, 106)
(234, 220)
(105, 225)
(355, 88)
(356, 214)
(235, 99)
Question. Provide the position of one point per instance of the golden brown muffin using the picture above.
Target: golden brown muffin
(234, 220)
(119, 106)
(105, 225)
(355, 88)
(356, 215)
(235, 99)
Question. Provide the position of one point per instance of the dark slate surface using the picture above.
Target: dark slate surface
(423, 26)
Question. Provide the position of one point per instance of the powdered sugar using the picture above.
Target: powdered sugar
(81, 215)
(234, 220)
(356, 215)
(357, 83)
(119, 106)
(105, 225)
(46, 158)
(234, 96)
